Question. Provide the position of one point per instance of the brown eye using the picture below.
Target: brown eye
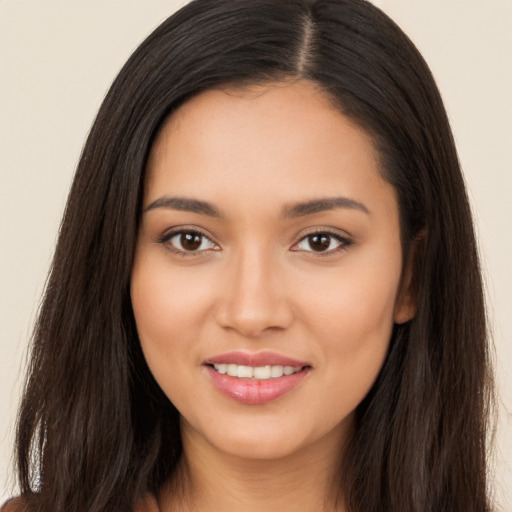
(322, 242)
(190, 241)
(184, 242)
(319, 242)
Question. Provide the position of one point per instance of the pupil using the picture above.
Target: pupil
(319, 242)
(190, 241)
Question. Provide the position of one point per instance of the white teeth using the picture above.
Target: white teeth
(221, 368)
(262, 372)
(256, 372)
(232, 370)
(288, 370)
(276, 371)
(245, 372)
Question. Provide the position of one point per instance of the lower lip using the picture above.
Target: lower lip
(254, 391)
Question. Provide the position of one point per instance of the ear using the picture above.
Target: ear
(407, 299)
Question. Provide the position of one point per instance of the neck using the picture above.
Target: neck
(209, 480)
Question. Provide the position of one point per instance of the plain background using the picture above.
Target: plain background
(57, 59)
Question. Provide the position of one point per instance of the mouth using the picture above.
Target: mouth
(256, 372)
(255, 379)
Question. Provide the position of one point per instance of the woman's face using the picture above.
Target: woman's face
(268, 269)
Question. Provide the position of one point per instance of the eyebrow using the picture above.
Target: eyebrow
(185, 204)
(321, 205)
(302, 209)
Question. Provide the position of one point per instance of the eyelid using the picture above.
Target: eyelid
(169, 234)
(344, 239)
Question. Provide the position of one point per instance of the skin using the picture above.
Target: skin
(255, 283)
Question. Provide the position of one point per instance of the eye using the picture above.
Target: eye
(322, 242)
(187, 241)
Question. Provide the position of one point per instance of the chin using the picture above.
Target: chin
(266, 439)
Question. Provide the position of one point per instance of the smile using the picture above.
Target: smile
(256, 372)
(257, 378)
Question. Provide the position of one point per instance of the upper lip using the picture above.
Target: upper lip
(255, 359)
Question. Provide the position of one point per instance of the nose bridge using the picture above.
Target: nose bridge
(255, 298)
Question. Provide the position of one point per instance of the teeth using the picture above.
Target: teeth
(256, 372)
(276, 371)
(262, 372)
(288, 370)
(245, 372)
(222, 368)
(232, 370)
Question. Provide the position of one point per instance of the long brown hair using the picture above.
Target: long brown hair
(95, 432)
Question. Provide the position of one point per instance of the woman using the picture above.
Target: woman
(266, 291)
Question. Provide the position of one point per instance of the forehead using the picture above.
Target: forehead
(285, 141)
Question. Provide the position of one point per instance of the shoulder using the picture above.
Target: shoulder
(13, 505)
(148, 504)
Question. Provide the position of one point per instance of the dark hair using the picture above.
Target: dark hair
(95, 432)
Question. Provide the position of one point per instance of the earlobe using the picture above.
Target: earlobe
(407, 299)
(405, 308)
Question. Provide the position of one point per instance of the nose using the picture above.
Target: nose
(254, 300)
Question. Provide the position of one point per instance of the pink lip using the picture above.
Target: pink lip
(254, 391)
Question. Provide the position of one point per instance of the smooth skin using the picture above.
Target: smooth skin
(267, 226)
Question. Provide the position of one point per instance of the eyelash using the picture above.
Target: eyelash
(166, 240)
(344, 242)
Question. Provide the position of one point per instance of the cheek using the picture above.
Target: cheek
(164, 301)
(353, 320)
(353, 304)
(168, 317)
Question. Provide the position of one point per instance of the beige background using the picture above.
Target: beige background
(57, 58)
